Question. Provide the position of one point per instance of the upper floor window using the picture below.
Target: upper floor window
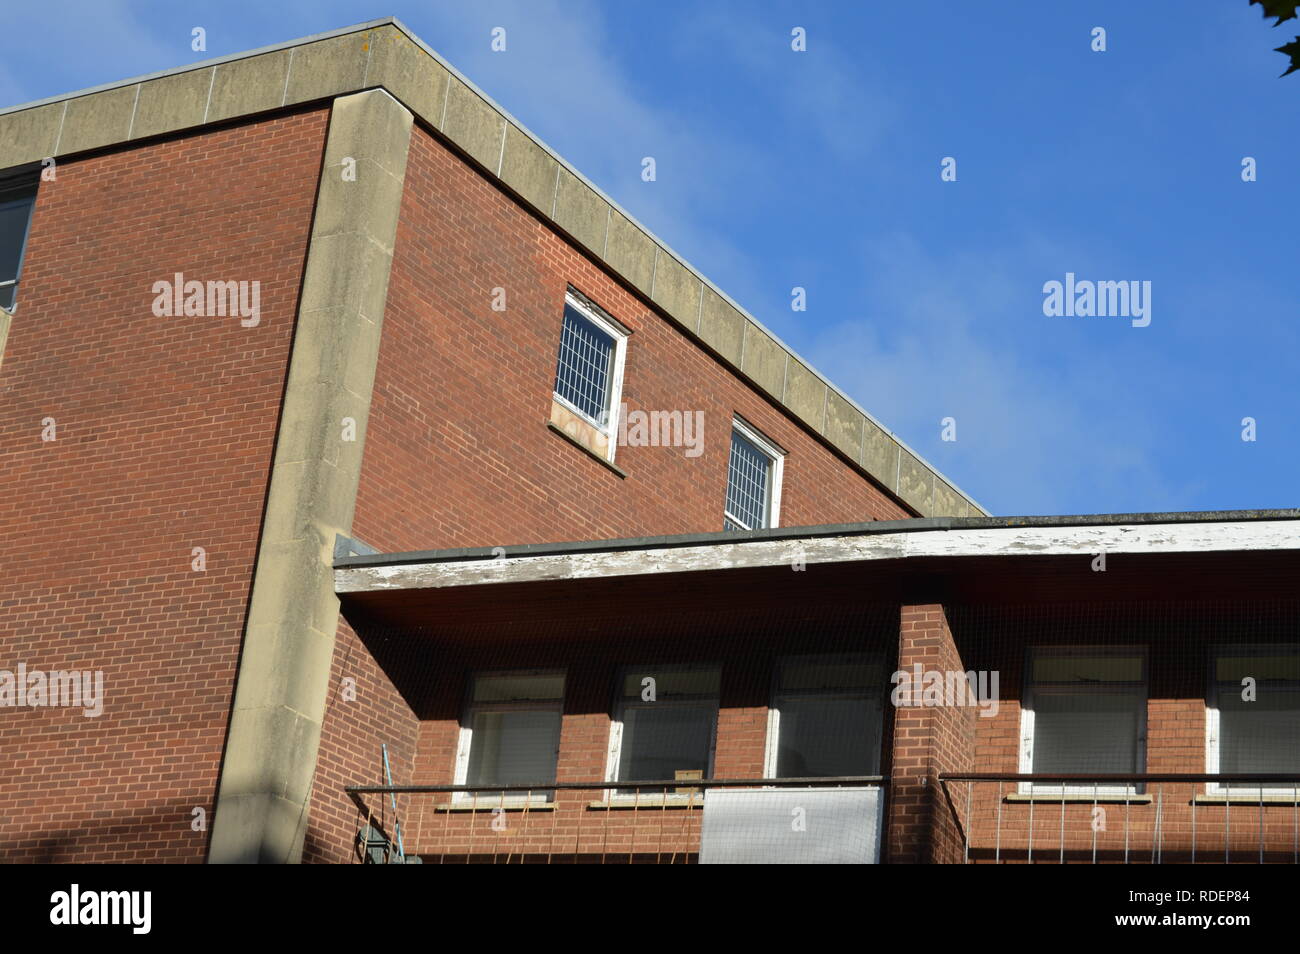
(17, 197)
(753, 480)
(589, 375)
(826, 717)
(1253, 717)
(510, 733)
(1084, 712)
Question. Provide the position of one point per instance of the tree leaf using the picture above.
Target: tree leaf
(1282, 9)
(1292, 50)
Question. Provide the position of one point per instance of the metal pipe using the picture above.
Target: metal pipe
(1135, 777)
(605, 783)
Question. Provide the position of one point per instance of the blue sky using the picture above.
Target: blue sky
(821, 169)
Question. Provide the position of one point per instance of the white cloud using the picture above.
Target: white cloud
(561, 75)
(94, 43)
(943, 337)
(839, 101)
(964, 336)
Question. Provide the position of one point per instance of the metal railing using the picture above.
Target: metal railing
(571, 822)
(1133, 818)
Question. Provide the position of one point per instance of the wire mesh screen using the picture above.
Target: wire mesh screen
(544, 741)
(1131, 733)
(1074, 733)
(792, 826)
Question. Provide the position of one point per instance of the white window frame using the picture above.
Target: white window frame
(772, 745)
(775, 473)
(615, 753)
(27, 232)
(465, 739)
(1235, 790)
(613, 400)
(1027, 720)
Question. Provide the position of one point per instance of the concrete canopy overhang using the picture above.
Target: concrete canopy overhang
(1186, 557)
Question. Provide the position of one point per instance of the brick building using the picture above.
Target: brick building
(311, 361)
(1115, 700)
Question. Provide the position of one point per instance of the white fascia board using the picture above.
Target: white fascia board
(989, 542)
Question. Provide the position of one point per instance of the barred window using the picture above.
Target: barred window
(753, 481)
(586, 376)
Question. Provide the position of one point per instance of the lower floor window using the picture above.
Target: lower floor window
(826, 717)
(510, 734)
(665, 721)
(1084, 712)
(1253, 718)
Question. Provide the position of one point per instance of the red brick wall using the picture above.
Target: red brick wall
(926, 742)
(363, 711)
(165, 431)
(457, 448)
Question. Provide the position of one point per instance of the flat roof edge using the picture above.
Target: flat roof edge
(876, 527)
(207, 64)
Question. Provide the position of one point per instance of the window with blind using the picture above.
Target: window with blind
(1084, 712)
(510, 733)
(826, 716)
(1253, 717)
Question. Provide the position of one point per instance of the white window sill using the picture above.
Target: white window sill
(1247, 797)
(671, 800)
(490, 804)
(1125, 798)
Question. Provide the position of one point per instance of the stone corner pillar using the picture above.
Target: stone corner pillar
(263, 796)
